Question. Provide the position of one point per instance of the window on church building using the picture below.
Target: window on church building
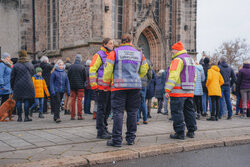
(157, 10)
(119, 19)
(139, 5)
(170, 22)
(52, 24)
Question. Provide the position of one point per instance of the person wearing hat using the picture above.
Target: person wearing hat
(40, 88)
(21, 84)
(77, 79)
(179, 87)
(5, 71)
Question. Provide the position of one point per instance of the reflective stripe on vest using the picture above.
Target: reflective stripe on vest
(126, 70)
(103, 57)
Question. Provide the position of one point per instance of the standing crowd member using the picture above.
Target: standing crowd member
(59, 84)
(67, 99)
(21, 84)
(159, 89)
(124, 68)
(87, 90)
(214, 82)
(47, 68)
(198, 91)
(243, 84)
(205, 97)
(40, 87)
(229, 78)
(180, 87)
(5, 71)
(236, 92)
(77, 79)
(150, 89)
(96, 81)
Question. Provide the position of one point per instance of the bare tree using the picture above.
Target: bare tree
(236, 51)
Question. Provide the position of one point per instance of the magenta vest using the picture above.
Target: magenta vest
(103, 57)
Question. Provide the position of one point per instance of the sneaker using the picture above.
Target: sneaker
(111, 143)
(104, 136)
(58, 120)
(145, 122)
(190, 134)
(229, 118)
(204, 114)
(177, 136)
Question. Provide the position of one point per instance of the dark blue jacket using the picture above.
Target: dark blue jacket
(227, 74)
(159, 87)
(59, 82)
(151, 86)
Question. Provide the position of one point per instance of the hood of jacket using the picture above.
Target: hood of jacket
(224, 64)
(215, 68)
(246, 66)
(58, 69)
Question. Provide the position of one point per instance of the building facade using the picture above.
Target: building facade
(63, 28)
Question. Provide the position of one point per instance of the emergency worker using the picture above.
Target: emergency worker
(124, 68)
(180, 86)
(96, 81)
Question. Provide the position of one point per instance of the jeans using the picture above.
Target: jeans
(205, 100)
(197, 104)
(165, 105)
(128, 100)
(182, 111)
(143, 106)
(238, 109)
(55, 104)
(160, 101)
(40, 102)
(226, 95)
(19, 107)
(87, 100)
(76, 97)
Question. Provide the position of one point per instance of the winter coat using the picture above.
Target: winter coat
(77, 76)
(227, 74)
(147, 77)
(40, 86)
(47, 68)
(59, 82)
(206, 67)
(198, 91)
(243, 80)
(5, 71)
(151, 86)
(159, 87)
(214, 81)
(87, 84)
(67, 65)
(21, 81)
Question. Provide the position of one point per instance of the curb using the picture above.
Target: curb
(136, 152)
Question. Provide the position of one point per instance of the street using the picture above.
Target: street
(237, 156)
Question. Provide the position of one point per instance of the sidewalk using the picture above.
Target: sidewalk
(75, 141)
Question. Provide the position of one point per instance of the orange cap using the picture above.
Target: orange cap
(178, 46)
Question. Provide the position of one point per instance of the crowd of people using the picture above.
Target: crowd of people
(119, 79)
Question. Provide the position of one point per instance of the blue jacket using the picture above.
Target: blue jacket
(198, 91)
(5, 72)
(159, 87)
(59, 82)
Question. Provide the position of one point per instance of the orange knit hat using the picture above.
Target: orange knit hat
(178, 46)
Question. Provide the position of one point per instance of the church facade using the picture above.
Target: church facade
(63, 28)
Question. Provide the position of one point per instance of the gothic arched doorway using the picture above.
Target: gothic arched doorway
(143, 44)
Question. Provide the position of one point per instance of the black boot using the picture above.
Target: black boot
(31, 113)
(19, 118)
(40, 115)
(66, 112)
(177, 136)
(212, 118)
(27, 119)
(198, 116)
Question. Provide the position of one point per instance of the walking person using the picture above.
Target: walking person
(180, 88)
(77, 79)
(214, 82)
(5, 72)
(243, 83)
(229, 78)
(40, 87)
(47, 68)
(21, 84)
(124, 68)
(96, 71)
(67, 99)
(198, 91)
(59, 84)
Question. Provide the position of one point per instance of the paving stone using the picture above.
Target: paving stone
(8, 161)
(57, 150)
(24, 154)
(4, 147)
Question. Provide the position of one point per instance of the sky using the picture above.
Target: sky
(221, 20)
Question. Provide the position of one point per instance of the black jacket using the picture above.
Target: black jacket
(21, 81)
(47, 68)
(206, 67)
(227, 74)
(77, 76)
